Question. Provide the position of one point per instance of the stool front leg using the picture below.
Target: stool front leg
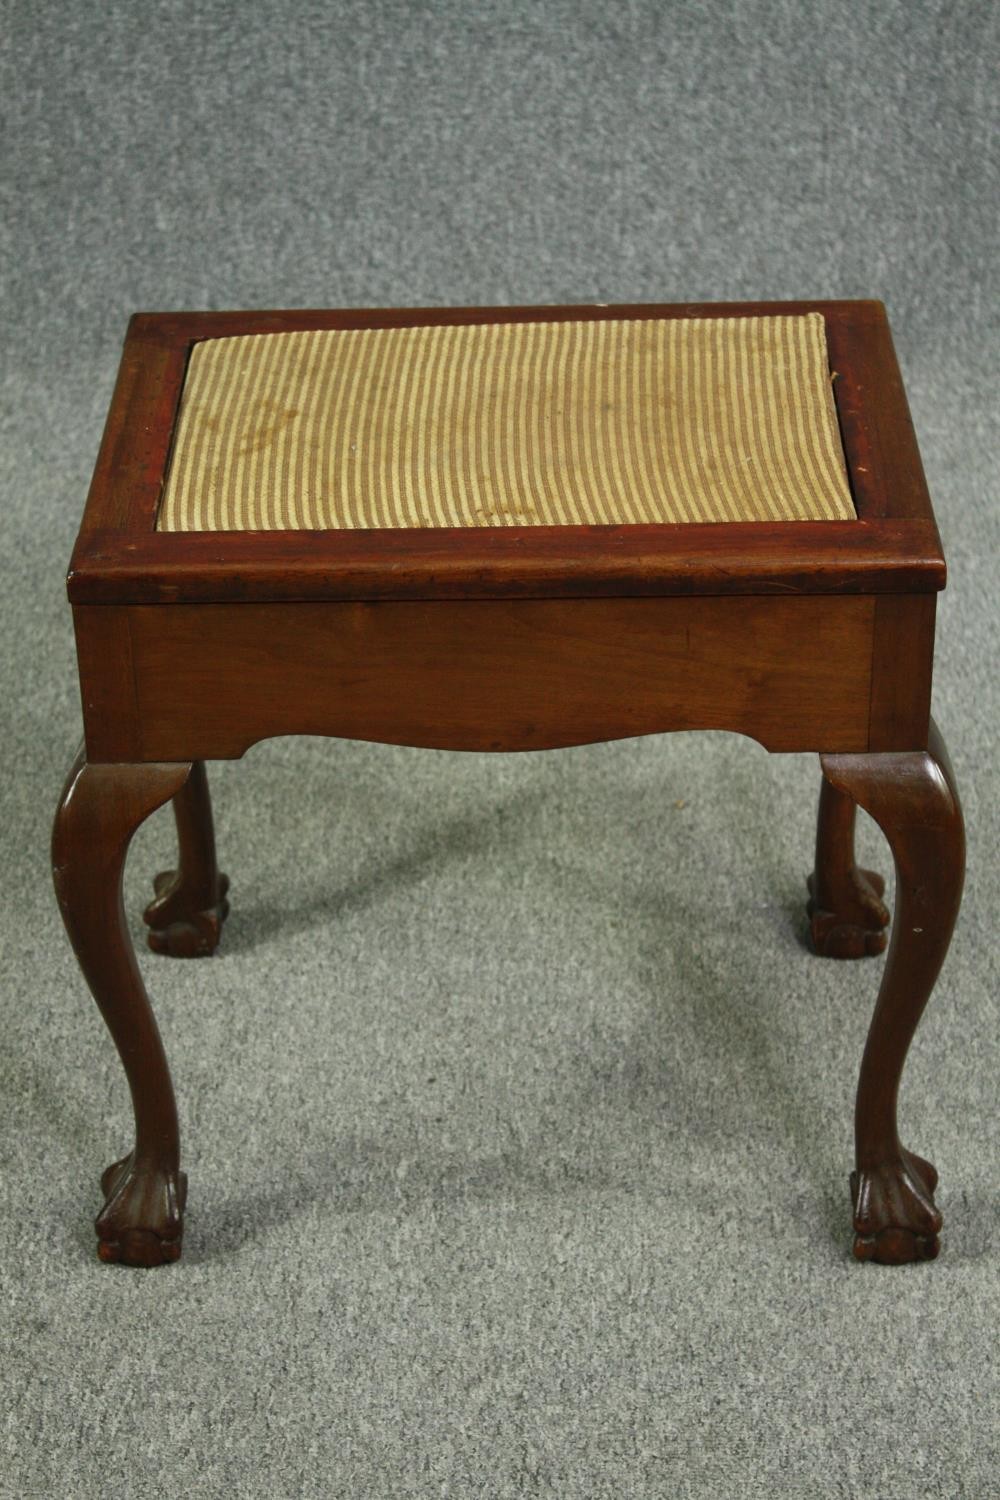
(848, 916)
(912, 796)
(185, 918)
(101, 807)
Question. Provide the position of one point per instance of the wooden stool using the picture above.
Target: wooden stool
(509, 529)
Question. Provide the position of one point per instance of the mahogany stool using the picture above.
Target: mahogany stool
(509, 529)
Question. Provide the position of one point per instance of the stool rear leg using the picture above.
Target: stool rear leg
(186, 915)
(100, 809)
(912, 796)
(848, 916)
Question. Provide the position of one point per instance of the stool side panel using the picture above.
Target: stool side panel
(212, 680)
(902, 672)
(107, 683)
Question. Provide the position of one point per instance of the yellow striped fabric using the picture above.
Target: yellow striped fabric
(509, 424)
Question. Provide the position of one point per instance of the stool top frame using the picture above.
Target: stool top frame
(893, 547)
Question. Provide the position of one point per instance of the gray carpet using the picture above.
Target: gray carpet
(517, 1115)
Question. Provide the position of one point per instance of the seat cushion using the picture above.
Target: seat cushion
(613, 421)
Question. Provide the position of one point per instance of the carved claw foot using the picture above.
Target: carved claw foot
(177, 927)
(895, 1219)
(857, 928)
(141, 1223)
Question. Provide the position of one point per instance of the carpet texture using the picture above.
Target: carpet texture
(517, 1114)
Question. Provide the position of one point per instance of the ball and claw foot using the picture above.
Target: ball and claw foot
(176, 927)
(895, 1219)
(142, 1221)
(857, 928)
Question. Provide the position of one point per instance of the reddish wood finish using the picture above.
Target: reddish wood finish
(902, 667)
(796, 557)
(469, 674)
(912, 797)
(128, 477)
(185, 918)
(802, 635)
(894, 546)
(492, 675)
(100, 809)
(107, 685)
(848, 915)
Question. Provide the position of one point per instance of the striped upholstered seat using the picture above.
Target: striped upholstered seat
(509, 424)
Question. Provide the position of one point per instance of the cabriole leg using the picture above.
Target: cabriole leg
(848, 916)
(185, 918)
(100, 809)
(912, 796)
